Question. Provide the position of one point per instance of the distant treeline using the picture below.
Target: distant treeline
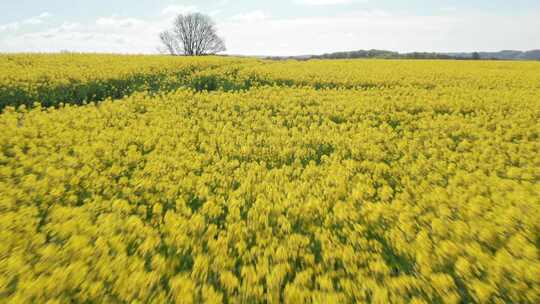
(383, 54)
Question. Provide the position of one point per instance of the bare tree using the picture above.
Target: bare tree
(192, 35)
(169, 42)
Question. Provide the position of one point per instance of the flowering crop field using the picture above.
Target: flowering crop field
(77, 79)
(278, 182)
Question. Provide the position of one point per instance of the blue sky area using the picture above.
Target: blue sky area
(279, 27)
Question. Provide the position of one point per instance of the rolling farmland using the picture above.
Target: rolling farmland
(155, 179)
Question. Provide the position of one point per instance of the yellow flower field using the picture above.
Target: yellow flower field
(78, 78)
(282, 182)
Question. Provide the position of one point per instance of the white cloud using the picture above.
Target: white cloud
(68, 27)
(326, 2)
(107, 34)
(253, 16)
(178, 9)
(9, 26)
(45, 15)
(116, 22)
(214, 13)
(381, 30)
(13, 26)
(34, 20)
(256, 33)
(450, 9)
(37, 19)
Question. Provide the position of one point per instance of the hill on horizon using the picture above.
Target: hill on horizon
(385, 54)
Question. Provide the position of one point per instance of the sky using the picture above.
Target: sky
(276, 27)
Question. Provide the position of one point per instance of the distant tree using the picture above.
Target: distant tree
(476, 56)
(192, 35)
(170, 43)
